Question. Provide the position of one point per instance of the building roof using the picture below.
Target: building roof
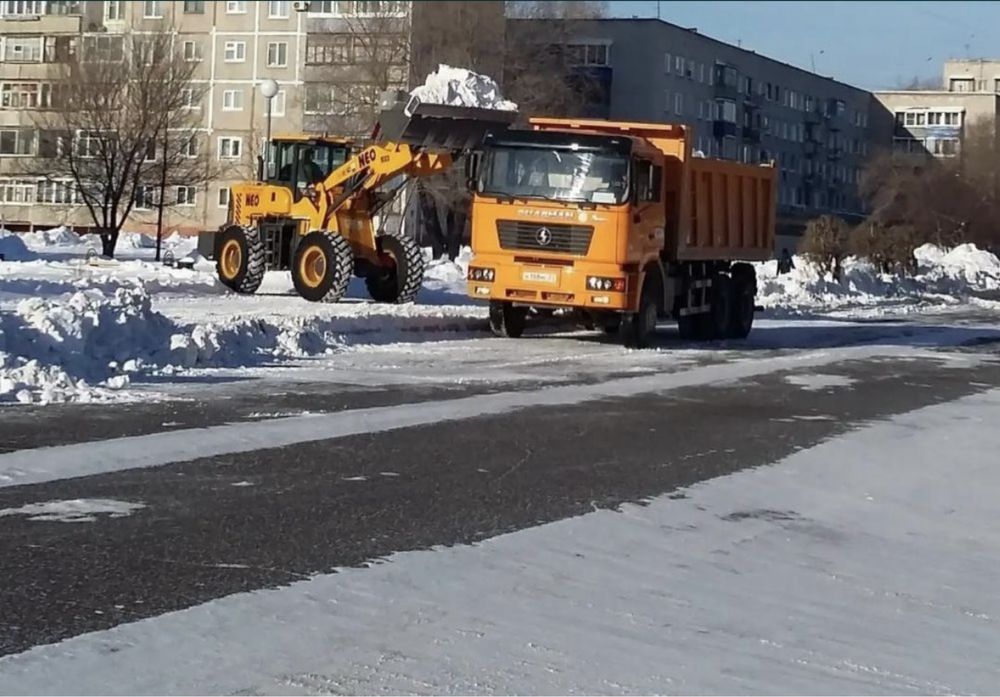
(692, 30)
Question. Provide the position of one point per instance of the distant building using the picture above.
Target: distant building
(741, 105)
(935, 122)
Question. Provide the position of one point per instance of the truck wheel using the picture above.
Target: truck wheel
(399, 279)
(637, 327)
(506, 320)
(322, 266)
(743, 291)
(717, 322)
(239, 259)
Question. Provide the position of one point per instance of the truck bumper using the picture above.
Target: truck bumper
(551, 285)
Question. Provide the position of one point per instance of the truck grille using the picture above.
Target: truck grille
(545, 237)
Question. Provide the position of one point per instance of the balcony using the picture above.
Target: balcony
(11, 25)
(723, 129)
(752, 134)
(813, 117)
(724, 91)
(810, 148)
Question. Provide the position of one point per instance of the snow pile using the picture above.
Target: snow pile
(55, 237)
(943, 276)
(135, 240)
(462, 87)
(74, 510)
(965, 264)
(12, 247)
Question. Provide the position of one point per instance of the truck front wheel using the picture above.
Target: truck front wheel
(239, 258)
(400, 276)
(506, 320)
(637, 327)
(322, 266)
(743, 291)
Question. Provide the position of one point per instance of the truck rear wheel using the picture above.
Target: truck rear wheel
(322, 267)
(239, 259)
(717, 322)
(506, 320)
(744, 292)
(637, 327)
(399, 279)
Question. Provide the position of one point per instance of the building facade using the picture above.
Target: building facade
(739, 104)
(936, 122)
(330, 58)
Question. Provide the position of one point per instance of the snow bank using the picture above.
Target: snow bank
(943, 276)
(12, 247)
(462, 87)
(55, 237)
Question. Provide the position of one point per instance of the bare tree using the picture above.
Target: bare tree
(541, 63)
(120, 128)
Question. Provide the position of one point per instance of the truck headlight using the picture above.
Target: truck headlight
(480, 274)
(602, 283)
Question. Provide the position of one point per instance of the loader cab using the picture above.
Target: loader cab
(299, 163)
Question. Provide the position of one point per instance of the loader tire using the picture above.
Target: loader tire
(322, 266)
(239, 259)
(506, 320)
(400, 279)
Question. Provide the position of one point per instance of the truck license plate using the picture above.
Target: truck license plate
(539, 276)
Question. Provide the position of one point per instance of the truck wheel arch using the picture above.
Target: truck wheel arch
(653, 272)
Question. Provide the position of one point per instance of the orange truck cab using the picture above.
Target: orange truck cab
(620, 223)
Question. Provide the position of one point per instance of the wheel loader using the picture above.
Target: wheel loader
(311, 211)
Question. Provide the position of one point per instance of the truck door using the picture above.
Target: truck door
(648, 215)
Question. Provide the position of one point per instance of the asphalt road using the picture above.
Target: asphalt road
(230, 523)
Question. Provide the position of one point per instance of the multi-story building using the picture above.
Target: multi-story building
(330, 59)
(936, 122)
(741, 106)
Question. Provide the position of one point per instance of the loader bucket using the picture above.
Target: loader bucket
(439, 126)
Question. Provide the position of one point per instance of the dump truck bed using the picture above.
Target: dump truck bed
(730, 214)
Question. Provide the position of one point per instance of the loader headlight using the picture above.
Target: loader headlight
(602, 283)
(479, 274)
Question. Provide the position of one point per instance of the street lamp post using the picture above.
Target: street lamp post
(268, 88)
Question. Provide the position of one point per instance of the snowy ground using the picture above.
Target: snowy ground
(863, 565)
(84, 330)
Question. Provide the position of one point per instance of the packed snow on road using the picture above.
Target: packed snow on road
(75, 327)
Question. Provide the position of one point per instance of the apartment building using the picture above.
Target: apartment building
(935, 122)
(741, 106)
(330, 59)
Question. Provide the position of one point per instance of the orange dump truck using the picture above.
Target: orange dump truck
(619, 222)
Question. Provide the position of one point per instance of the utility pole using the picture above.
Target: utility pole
(163, 190)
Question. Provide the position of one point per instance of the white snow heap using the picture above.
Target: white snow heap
(462, 87)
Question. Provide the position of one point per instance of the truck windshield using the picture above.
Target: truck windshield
(555, 173)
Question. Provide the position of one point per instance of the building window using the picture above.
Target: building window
(114, 11)
(331, 49)
(235, 51)
(18, 49)
(223, 196)
(587, 54)
(186, 195)
(88, 145)
(192, 51)
(150, 155)
(277, 104)
(17, 191)
(236, 7)
(22, 8)
(357, 7)
(19, 95)
(727, 110)
(190, 146)
(679, 104)
(230, 148)
(194, 7)
(190, 98)
(152, 9)
(666, 62)
(319, 99)
(679, 65)
(277, 54)
(277, 9)
(232, 100)
(56, 191)
(145, 197)
(103, 49)
(944, 147)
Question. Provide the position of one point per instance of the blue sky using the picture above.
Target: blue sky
(868, 44)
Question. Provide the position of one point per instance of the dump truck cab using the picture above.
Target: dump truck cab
(607, 219)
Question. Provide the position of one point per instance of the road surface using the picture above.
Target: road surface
(349, 507)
